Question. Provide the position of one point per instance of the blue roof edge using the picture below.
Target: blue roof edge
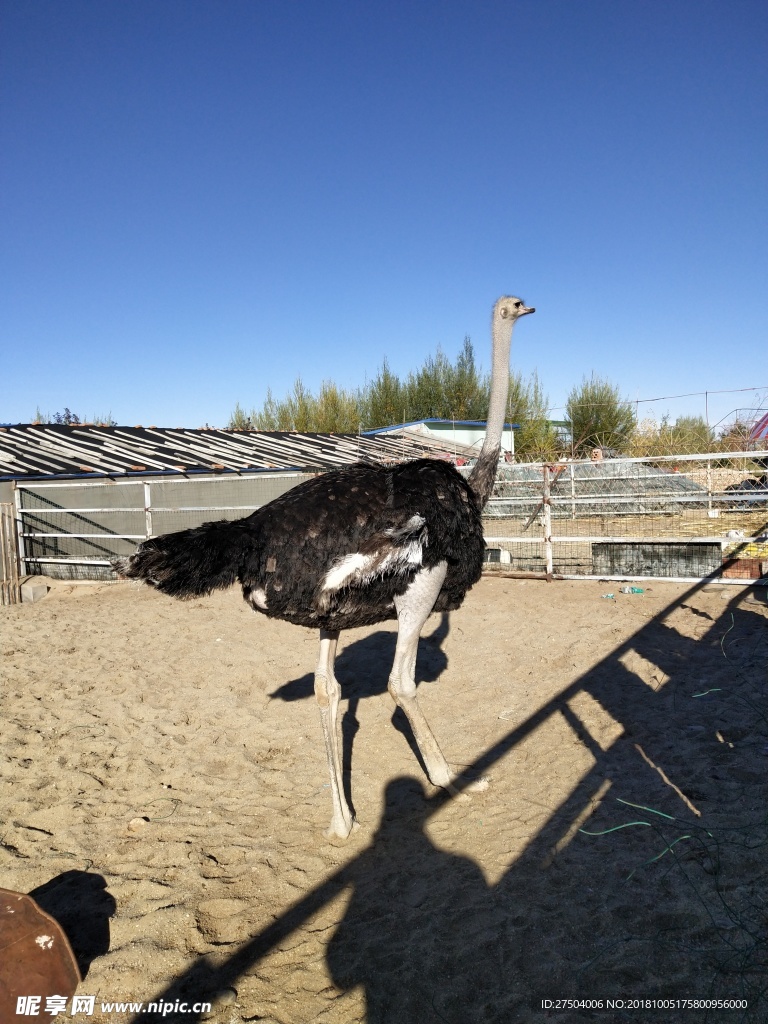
(435, 419)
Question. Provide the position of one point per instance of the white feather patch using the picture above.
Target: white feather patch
(258, 598)
(344, 569)
(359, 568)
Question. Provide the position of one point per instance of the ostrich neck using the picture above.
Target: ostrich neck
(497, 407)
(484, 472)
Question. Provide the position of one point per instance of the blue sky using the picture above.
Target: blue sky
(204, 198)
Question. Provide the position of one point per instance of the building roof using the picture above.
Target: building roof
(56, 450)
(435, 421)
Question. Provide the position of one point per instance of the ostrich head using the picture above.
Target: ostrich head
(508, 307)
(507, 310)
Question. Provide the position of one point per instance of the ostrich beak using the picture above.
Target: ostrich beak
(527, 309)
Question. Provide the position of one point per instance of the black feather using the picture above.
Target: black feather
(283, 552)
(191, 563)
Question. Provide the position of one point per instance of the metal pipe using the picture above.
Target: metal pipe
(148, 508)
(547, 509)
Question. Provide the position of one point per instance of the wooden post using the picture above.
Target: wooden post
(10, 591)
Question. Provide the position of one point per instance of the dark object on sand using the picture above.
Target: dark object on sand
(35, 956)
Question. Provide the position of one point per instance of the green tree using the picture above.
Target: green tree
(239, 420)
(268, 418)
(438, 389)
(466, 390)
(71, 419)
(692, 434)
(301, 408)
(528, 407)
(386, 399)
(428, 389)
(735, 437)
(336, 411)
(104, 421)
(689, 435)
(598, 416)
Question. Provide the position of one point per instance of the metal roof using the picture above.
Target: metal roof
(55, 450)
(434, 420)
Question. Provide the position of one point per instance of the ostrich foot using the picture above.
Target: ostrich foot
(478, 786)
(341, 829)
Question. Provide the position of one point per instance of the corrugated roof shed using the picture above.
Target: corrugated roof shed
(54, 450)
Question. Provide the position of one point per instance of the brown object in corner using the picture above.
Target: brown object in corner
(35, 956)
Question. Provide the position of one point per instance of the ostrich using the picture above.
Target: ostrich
(351, 548)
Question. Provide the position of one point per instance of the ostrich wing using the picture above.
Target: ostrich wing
(395, 549)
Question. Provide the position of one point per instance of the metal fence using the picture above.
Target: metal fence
(73, 529)
(673, 517)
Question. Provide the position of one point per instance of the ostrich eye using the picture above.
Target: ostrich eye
(518, 304)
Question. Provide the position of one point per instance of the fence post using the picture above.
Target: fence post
(20, 530)
(709, 487)
(148, 508)
(547, 509)
(10, 589)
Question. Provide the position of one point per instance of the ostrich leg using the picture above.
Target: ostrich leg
(328, 692)
(413, 608)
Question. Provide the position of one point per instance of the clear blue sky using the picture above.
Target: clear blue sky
(204, 198)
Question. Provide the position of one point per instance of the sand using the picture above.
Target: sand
(165, 794)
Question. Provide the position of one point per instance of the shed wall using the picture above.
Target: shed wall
(72, 529)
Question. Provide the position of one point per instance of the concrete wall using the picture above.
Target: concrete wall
(474, 436)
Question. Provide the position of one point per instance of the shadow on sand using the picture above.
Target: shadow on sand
(375, 653)
(430, 941)
(80, 902)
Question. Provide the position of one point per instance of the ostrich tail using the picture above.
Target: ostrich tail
(191, 563)
(483, 475)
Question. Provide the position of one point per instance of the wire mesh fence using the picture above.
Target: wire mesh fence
(684, 517)
(675, 517)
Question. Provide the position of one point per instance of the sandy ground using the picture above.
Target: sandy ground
(164, 794)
